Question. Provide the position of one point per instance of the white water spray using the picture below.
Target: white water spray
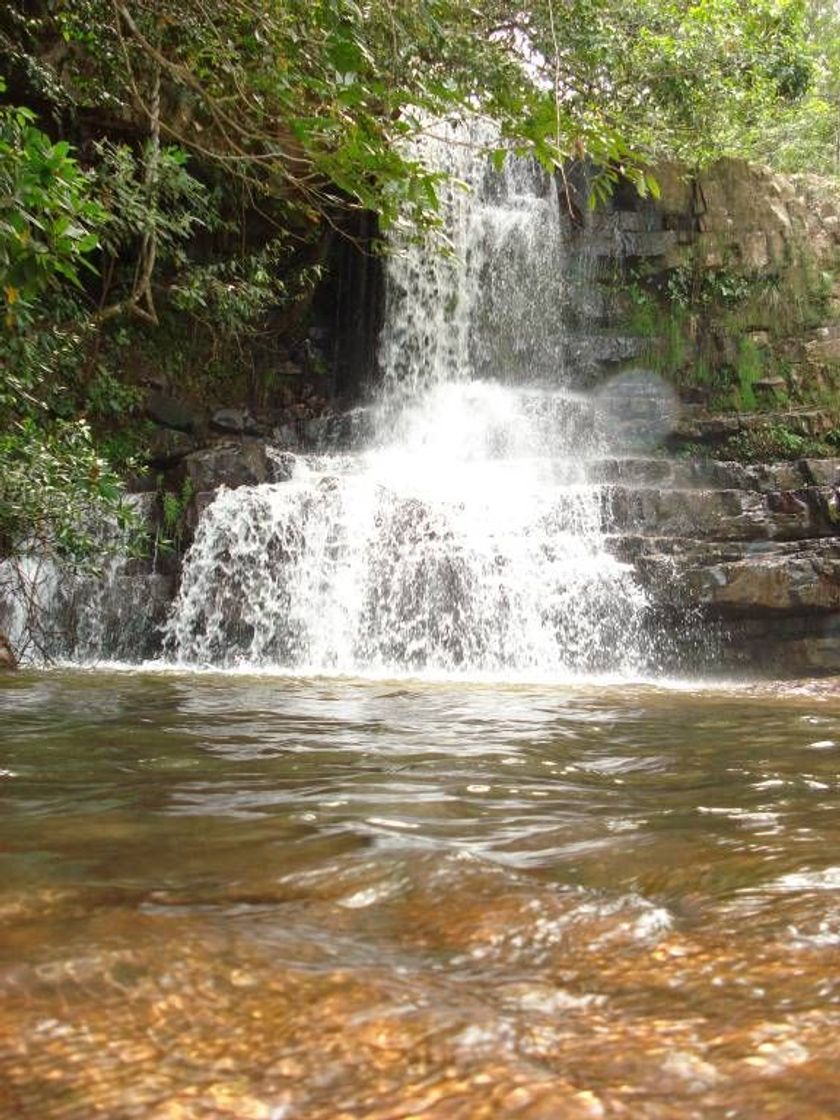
(52, 610)
(466, 539)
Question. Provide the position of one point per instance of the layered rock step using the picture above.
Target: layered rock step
(750, 552)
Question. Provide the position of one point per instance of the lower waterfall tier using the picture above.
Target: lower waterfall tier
(473, 543)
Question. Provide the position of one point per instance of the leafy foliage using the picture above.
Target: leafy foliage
(311, 102)
(659, 77)
(184, 205)
(55, 489)
(805, 135)
(48, 218)
(53, 482)
(231, 296)
(770, 443)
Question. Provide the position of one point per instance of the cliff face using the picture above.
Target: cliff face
(742, 561)
(725, 286)
(725, 289)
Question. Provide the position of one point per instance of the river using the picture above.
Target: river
(268, 898)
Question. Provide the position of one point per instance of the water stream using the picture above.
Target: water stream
(229, 897)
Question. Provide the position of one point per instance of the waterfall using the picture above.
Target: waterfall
(465, 538)
(489, 309)
(53, 610)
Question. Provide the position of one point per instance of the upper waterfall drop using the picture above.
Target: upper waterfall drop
(488, 309)
(466, 538)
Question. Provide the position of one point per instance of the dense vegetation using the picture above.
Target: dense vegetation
(171, 175)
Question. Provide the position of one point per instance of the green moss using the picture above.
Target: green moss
(748, 371)
(693, 450)
(697, 322)
(643, 315)
(675, 348)
(771, 442)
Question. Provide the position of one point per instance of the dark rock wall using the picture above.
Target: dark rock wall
(350, 306)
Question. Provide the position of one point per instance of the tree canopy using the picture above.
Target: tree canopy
(311, 101)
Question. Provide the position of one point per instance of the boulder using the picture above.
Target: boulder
(243, 463)
(675, 187)
(237, 421)
(7, 657)
(282, 465)
(171, 413)
(823, 350)
(198, 504)
(713, 514)
(168, 446)
(796, 583)
(822, 472)
(752, 248)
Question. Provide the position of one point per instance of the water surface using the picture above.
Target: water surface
(266, 897)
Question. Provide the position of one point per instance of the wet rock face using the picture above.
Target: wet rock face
(237, 421)
(762, 251)
(168, 447)
(752, 549)
(170, 413)
(749, 553)
(802, 582)
(695, 426)
(244, 462)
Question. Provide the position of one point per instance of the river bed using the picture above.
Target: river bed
(272, 898)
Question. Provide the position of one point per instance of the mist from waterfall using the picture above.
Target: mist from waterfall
(466, 537)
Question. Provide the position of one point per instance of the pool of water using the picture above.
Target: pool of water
(270, 898)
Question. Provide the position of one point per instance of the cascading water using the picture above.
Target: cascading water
(53, 611)
(466, 538)
(490, 309)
